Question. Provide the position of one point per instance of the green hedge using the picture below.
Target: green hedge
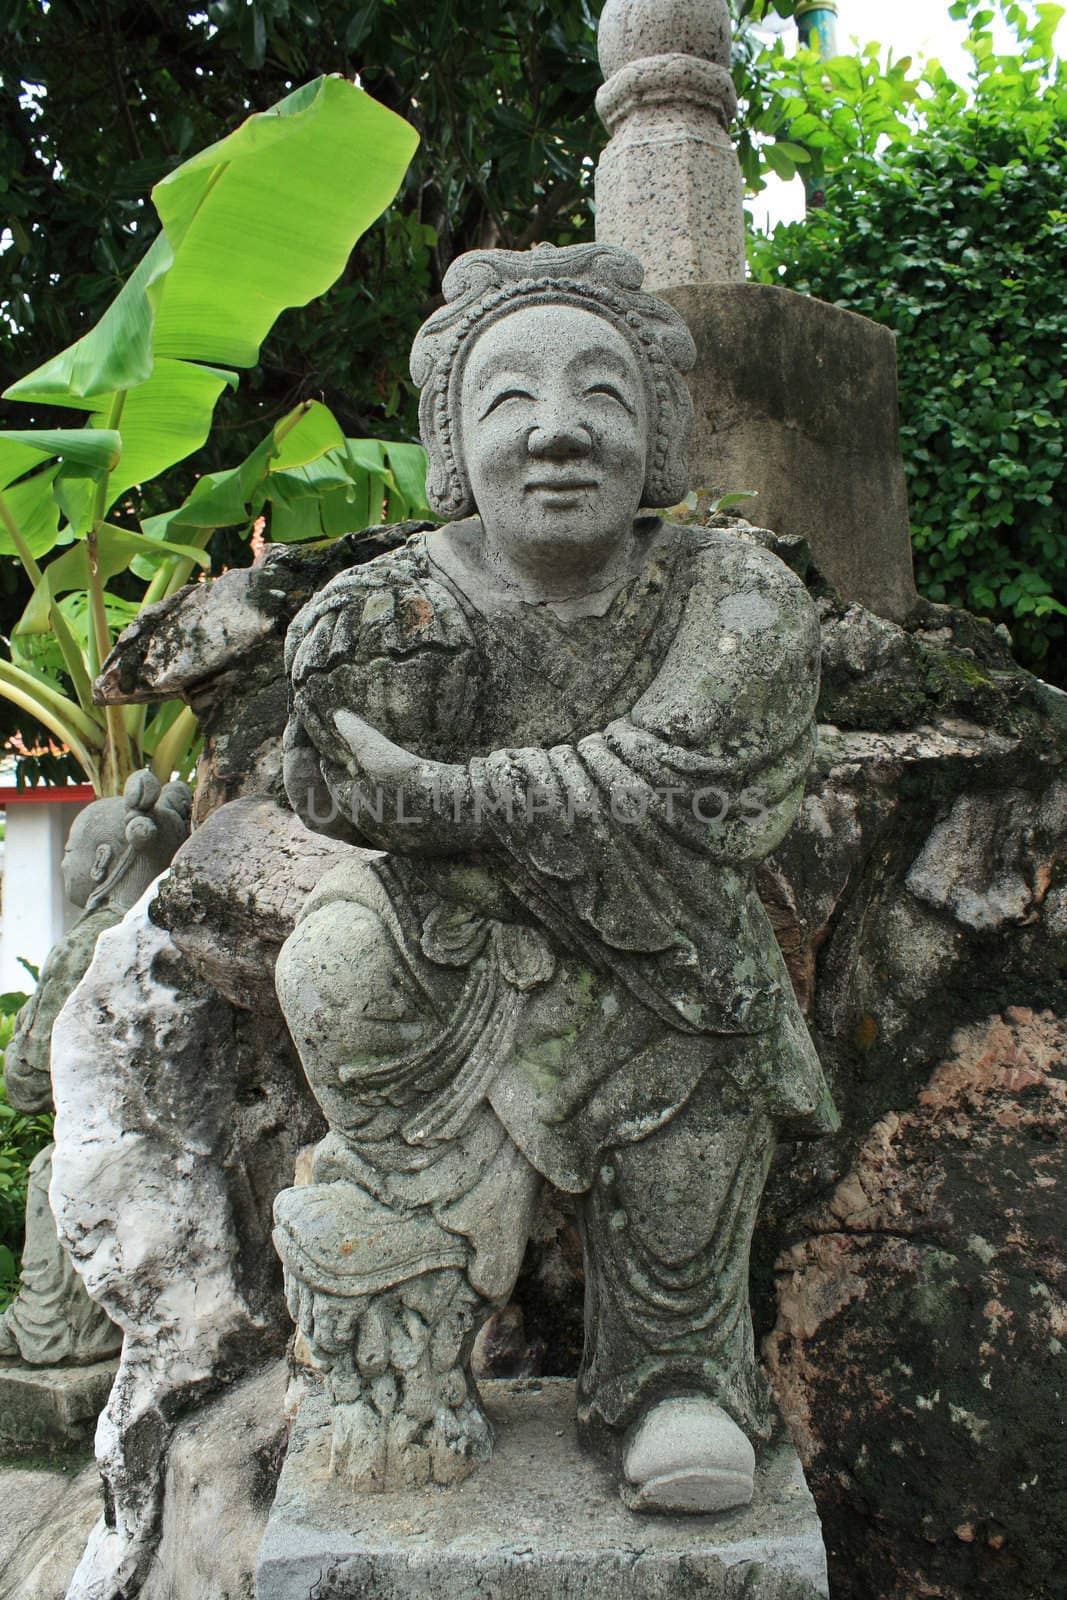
(957, 240)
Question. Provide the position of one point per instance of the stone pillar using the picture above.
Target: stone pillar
(795, 400)
(668, 185)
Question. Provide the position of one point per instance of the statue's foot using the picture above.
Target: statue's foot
(687, 1456)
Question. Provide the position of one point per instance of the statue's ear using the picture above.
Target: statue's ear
(101, 863)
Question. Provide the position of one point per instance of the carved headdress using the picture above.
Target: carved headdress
(485, 285)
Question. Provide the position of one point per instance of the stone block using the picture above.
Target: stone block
(43, 1409)
(797, 400)
(541, 1522)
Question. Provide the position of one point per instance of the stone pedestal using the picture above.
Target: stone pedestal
(541, 1522)
(44, 1409)
(797, 400)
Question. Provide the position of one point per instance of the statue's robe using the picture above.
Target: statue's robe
(576, 906)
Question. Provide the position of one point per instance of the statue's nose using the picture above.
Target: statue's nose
(558, 437)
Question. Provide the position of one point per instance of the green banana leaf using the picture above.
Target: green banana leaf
(116, 353)
(29, 498)
(261, 221)
(366, 482)
(96, 449)
(316, 483)
(115, 549)
(226, 499)
(281, 201)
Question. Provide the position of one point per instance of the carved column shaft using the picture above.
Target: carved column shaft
(668, 185)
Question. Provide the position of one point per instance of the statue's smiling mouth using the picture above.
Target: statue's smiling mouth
(560, 485)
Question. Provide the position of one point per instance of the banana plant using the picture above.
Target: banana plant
(261, 221)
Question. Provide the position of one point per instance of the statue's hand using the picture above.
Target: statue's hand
(378, 758)
(410, 796)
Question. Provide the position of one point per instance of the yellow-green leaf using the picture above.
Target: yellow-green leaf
(267, 217)
(116, 353)
(115, 549)
(96, 449)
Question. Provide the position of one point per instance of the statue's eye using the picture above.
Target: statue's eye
(504, 395)
(612, 393)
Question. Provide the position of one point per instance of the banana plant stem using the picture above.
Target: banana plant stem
(68, 646)
(119, 759)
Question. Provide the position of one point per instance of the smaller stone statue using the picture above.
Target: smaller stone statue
(115, 850)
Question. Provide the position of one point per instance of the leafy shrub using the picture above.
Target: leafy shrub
(957, 240)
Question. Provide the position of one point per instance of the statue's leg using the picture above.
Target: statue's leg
(391, 1261)
(669, 1375)
(52, 1322)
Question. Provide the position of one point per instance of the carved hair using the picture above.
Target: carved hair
(485, 285)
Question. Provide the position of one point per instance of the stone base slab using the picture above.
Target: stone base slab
(43, 1409)
(541, 1522)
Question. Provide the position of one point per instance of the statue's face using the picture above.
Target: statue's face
(554, 430)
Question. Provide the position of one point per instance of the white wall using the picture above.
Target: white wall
(35, 909)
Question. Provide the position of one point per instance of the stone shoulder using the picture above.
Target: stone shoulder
(391, 605)
(739, 583)
(736, 561)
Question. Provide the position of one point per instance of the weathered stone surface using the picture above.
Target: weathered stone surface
(926, 872)
(48, 1408)
(221, 1474)
(116, 847)
(923, 1326)
(46, 1515)
(219, 646)
(668, 184)
(797, 400)
(545, 1524)
(222, 1471)
(178, 1119)
(235, 890)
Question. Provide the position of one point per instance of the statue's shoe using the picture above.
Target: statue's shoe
(686, 1456)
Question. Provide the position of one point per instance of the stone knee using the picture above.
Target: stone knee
(346, 999)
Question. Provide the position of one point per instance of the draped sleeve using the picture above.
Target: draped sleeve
(635, 845)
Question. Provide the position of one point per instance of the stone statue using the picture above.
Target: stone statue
(573, 728)
(115, 849)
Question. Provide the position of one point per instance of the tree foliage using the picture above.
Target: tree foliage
(261, 220)
(502, 96)
(947, 222)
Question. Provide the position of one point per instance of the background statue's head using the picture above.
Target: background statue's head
(582, 306)
(116, 847)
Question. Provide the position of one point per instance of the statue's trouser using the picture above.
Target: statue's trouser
(52, 1322)
(403, 1231)
(666, 1227)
